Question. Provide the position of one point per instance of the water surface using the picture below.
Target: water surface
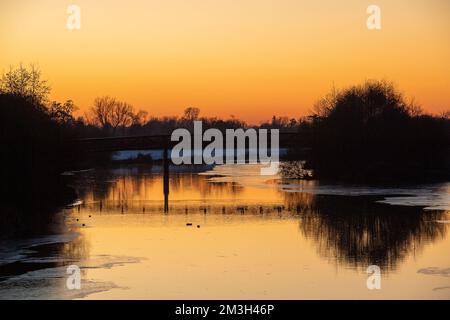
(233, 234)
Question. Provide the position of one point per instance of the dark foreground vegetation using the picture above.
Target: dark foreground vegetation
(32, 156)
(370, 133)
(364, 133)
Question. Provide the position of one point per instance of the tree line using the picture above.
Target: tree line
(109, 116)
(366, 130)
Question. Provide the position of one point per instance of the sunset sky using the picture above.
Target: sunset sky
(247, 58)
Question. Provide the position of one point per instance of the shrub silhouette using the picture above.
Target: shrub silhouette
(368, 132)
(32, 160)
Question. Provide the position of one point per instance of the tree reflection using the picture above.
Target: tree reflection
(354, 231)
(358, 231)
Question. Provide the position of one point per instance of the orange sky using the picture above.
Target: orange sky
(249, 58)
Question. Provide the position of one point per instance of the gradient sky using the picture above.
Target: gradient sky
(247, 58)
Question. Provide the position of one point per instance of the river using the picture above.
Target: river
(233, 234)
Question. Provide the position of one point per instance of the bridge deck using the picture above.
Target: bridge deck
(287, 139)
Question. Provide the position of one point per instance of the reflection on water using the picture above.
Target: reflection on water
(360, 232)
(231, 233)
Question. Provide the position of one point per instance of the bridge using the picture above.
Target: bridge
(157, 142)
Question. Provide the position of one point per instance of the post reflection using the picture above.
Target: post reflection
(353, 231)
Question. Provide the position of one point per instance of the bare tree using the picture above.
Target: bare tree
(140, 118)
(414, 109)
(108, 112)
(191, 114)
(325, 105)
(25, 82)
(102, 111)
(122, 115)
(62, 112)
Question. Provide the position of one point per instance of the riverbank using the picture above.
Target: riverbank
(30, 214)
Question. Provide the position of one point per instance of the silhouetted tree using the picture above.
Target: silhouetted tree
(25, 82)
(33, 157)
(140, 118)
(62, 112)
(370, 131)
(191, 114)
(110, 113)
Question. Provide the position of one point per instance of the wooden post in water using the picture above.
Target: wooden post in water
(166, 179)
